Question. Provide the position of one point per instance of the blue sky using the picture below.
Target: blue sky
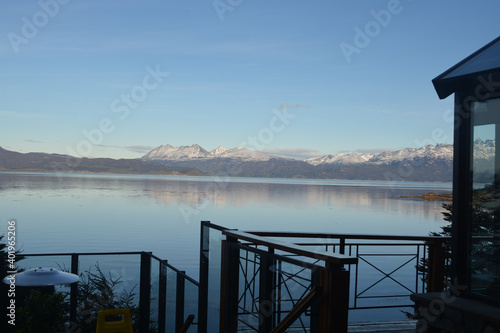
(303, 78)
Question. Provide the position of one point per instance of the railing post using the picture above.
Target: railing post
(315, 277)
(266, 292)
(436, 266)
(74, 289)
(144, 292)
(179, 300)
(162, 298)
(203, 280)
(229, 286)
(334, 299)
(342, 245)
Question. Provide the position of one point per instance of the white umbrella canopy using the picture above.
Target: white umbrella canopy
(39, 277)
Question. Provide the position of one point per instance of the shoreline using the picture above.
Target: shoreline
(431, 196)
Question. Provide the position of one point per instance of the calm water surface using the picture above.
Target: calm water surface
(161, 214)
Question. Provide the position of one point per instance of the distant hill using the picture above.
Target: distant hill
(197, 153)
(14, 161)
(442, 152)
(429, 163)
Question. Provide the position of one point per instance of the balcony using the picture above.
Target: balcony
(268, 282)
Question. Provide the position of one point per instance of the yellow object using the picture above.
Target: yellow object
(122, 325)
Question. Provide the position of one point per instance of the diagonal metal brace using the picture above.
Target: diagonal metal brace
(296, 312)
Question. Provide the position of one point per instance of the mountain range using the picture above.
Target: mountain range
(195, 152)
(14, 161)
(429, 163)
(443, 152)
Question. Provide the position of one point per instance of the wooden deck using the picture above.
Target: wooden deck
(406, 326)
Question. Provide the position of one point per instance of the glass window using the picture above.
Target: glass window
(485, 226)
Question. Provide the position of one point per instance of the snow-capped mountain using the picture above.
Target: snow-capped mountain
(340, 159)
(218, 151)
(241, 154)
(428, 163)
(484, 149)
(168, 152)
(197, 153)
(429, 152)
(443, 152)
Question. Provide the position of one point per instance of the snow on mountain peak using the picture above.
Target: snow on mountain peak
(196, 152)
(439, 151)
(176, 153)
(340, 158)
(218, 151)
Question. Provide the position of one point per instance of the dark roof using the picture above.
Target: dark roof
(484, 61)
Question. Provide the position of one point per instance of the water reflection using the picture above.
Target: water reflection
(304, 196)
(226, 193)
(161, 214)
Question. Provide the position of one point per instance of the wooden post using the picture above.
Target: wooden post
(145, 292)
(229, 286)
(266, 293)
(334, 299)
(74, 289)
(179, 300)
(315, 306)
(204, 274)
(436, 266)
(342, 245)
(162, 297)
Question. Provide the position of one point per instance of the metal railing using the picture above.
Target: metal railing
(153, 299)
(421, 261)
(264, 290)
(270, 281)
(277, 283)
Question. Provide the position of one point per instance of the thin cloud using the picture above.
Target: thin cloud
(373, 150)
(33, 141)
(24, 115)
(140, 149)
(290, 106)
(297, 153)
(135, 148)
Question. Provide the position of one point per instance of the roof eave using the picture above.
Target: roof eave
(446, 87)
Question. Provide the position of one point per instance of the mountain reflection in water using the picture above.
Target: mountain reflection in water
(88, 213)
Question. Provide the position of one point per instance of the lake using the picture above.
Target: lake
(162, 214)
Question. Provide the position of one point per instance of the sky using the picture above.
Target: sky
(296, 78)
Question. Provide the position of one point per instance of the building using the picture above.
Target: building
(472, 301)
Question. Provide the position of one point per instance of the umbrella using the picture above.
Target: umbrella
(38, 277)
